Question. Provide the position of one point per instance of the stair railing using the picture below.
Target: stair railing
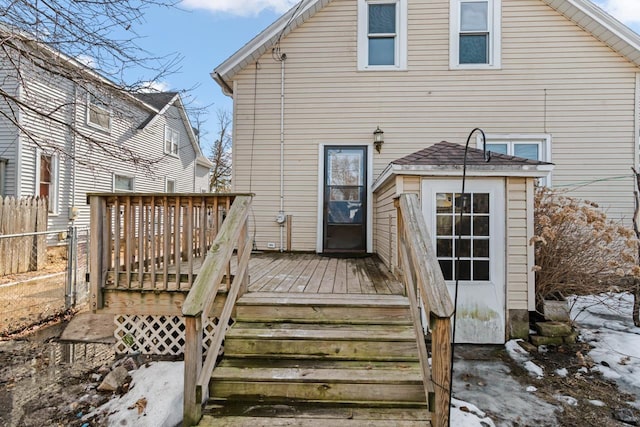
(200, 300)
(422, 276)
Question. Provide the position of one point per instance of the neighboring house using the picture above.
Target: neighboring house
(556, 81)
(98, 138)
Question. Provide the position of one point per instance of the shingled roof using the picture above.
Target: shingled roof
(446, 159)
(447, 153)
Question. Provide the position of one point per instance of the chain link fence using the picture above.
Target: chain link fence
(43, 274)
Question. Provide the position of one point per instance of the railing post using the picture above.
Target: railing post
(244, 235)
(441, 368)
(192, 366)
(99, 238)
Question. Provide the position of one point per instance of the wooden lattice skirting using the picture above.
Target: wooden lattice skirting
(156, 335)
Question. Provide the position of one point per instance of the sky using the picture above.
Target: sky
(206, 32)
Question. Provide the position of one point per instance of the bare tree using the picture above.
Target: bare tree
(221, 154)
(84, 48)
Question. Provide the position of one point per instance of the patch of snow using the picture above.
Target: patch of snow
(516, 352)
(153, 400)
(534, 369)
(605, 322)
(464, 414)
(543, 349)
(562, 372)
(571, 401)
(597, 403)
(532, 389)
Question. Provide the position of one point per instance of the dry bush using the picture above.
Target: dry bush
(578, 251)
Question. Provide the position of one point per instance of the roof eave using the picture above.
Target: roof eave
(257, 46)
(520, 171)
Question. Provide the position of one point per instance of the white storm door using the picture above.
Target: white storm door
(481, 270)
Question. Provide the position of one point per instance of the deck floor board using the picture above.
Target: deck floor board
(311, 273)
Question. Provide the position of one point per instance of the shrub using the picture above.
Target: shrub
(578, 251)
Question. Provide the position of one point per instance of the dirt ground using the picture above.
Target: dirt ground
(47, 383)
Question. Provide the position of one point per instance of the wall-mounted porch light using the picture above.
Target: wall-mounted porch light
(378, 139)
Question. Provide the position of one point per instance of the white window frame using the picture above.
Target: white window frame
(169, 134)
(543, 140)
(494, 27)
(167, 180)
(400, 39)
(100, 106)
(54, 186)
(124, 175)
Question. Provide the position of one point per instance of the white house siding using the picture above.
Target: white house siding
(94, 168)
(555, 79)
(8, 135)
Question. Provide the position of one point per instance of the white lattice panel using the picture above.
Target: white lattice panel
(157, 335)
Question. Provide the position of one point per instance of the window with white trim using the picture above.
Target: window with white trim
(47, 179)
(171, 141)
(534, 147)
(123, 182)
(475, 34)
(382, 34)
(169, 185)
(98, 113)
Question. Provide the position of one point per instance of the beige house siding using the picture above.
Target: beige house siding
(517, 248)
(385, 224)
(555, 79)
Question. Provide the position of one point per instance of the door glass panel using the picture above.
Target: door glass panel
(469, 237)
(344, 199)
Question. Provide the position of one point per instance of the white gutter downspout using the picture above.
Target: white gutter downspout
(281, 218)
(73, 210)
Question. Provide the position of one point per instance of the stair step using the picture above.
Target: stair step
(322, 383)
(324, 308)
(232, 362)
(255, 415)
(339, 332)
(208, 421)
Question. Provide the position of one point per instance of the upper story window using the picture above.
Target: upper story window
(47, 179)
(382, 34)
(123, 183)
(98, 113)
(475, 34)
(171, 141)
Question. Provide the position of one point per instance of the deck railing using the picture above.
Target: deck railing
(149, 241)
(233, 233)
(422, 277)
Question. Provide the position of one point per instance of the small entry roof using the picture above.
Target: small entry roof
(446, 159)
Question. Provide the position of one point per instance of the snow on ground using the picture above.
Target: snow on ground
(155, 397)
(153, 400)
(605, 322)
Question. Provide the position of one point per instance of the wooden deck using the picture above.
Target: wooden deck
(312, 273)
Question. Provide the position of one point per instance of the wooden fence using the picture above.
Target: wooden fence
(21, 216)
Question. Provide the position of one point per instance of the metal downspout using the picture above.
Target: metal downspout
(281, 216)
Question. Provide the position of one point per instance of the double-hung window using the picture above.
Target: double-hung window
(382, 34)
(47, 179)
(171, 141)
(98, 113)
(475, 34)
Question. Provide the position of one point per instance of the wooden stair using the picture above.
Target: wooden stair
(312, 359)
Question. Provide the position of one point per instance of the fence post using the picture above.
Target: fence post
(72, 267)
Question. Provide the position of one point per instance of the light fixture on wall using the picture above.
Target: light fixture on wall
(378, 139)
